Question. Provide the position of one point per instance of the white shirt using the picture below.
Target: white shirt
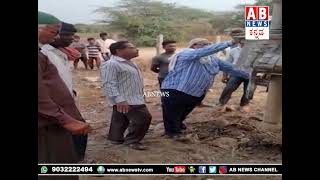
(105, 45)
(122, 81)
(234, 54)
(60, 60)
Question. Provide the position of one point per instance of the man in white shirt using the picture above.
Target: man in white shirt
(233, 82)
(105, 43)
(60, 60)
(57, 57)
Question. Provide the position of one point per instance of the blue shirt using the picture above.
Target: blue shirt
(195, 70)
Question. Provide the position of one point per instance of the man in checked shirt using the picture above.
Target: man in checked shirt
(122, 83)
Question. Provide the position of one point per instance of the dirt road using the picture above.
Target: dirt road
(238, 141)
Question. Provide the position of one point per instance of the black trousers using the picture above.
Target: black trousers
(175, 108)
(231, 86)
(137, 120)
(80, 142)
(160, 80)
(55, 145)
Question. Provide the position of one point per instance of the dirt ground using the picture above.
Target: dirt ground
(212, 136)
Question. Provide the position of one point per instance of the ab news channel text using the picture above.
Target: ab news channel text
(159, 169)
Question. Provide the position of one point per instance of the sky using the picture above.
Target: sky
(80, 11)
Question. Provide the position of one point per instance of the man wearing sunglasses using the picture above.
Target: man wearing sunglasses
(191, 74)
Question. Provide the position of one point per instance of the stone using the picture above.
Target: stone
(244, 140)
(159, 127)
(197, 156)
(221, 123)
(91, 79)
(225, 142)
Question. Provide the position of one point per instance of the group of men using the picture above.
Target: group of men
(186, 76)
(161, 62)
(95, 51)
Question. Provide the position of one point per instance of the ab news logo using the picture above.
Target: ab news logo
(257, 22)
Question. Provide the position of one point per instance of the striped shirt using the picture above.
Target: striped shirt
(122, 81)
(195, 70)
(93, 51)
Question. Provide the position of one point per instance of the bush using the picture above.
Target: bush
(145, 41)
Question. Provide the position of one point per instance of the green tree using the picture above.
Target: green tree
(92, 28)
(265, 3)
(224, 20)
(142, 20)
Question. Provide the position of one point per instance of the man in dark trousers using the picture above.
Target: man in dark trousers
(233, 82)
(122, 83)
(58, 117)
(81, 47)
